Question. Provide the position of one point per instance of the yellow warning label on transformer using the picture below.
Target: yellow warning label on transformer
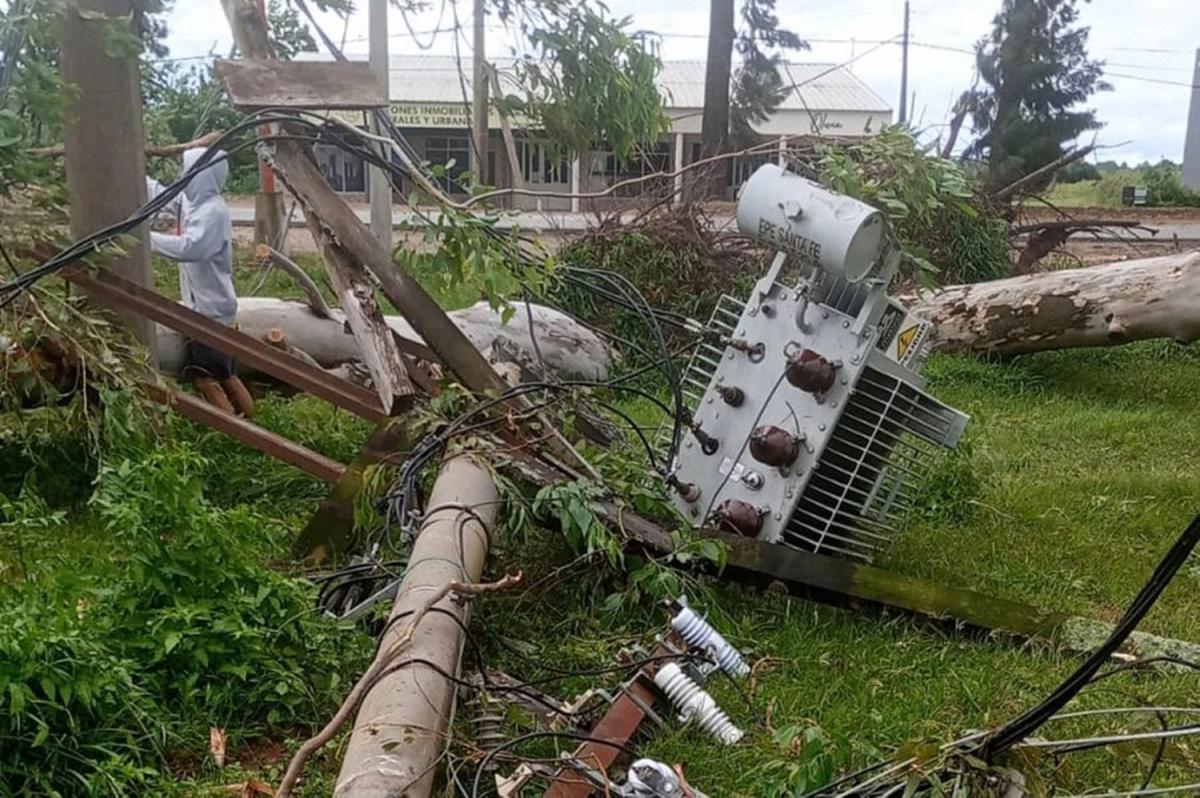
(904, 341)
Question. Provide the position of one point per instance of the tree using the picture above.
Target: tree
(583, 79)
(1036, 73)
(758, 88)
(730, 114)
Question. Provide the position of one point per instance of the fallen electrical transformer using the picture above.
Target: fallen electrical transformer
(809, 425)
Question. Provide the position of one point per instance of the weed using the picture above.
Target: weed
(107, 669)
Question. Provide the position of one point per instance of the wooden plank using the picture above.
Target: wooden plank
(345, 266)
(301, 85)
(254, 436)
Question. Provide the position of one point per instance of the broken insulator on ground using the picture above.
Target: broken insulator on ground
(708, 444)
(695, 705)
(731, 395)
(810, 372)
(774, 446)
(740, 518)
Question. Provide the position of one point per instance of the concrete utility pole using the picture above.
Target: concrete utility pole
(268, 202)
(904, 69)
(399, 732)
(104, 149)
(1191, 144)
(379, 187)
(479, 102)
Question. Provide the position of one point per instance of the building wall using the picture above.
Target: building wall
(618, 184)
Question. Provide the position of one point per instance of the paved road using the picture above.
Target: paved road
(546, 221)
(562, 221)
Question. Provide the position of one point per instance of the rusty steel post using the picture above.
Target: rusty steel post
(400, 730)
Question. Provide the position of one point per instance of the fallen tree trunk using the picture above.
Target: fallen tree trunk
(1115, 303)
(568, 349)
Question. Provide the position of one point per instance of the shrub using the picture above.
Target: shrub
(1164, 187)
(944, 234)
(104, 670)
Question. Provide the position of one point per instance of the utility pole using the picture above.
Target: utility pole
(268, 202)
(714, 122)
(1191, 143)
(479, 102)
(904, 69)
(104, 147)
(379, 187)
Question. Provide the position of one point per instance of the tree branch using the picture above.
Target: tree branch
(152, 151)
(316, 302)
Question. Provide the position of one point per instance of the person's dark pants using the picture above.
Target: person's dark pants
(200, 362)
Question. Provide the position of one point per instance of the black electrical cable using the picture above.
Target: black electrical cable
(1020, 728)
(490, 755)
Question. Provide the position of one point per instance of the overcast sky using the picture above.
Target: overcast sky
(1149, 46)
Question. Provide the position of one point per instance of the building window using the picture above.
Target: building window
(645, 161)
(539, 167)
(452, 152)
(344, 172)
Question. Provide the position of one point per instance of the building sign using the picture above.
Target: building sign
(431, 115)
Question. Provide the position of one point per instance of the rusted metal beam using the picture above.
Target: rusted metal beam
(248, 433)
(618, 726)
(119, 293)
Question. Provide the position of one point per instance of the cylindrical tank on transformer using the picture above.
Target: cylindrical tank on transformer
(836, 233)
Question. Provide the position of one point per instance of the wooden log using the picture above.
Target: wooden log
(1106, 305)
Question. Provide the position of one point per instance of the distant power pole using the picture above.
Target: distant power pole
(479, 102)
(104, 146)
(904, 69)
(378, 185)
(268, 202)
(1191, 144)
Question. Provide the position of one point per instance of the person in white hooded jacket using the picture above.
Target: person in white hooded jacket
(203, 248)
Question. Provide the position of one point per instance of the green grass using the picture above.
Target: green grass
(1084, 468)
(1080, 473)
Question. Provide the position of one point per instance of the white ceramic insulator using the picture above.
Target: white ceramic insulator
(698, 633)
(839, 234)
(695, 704)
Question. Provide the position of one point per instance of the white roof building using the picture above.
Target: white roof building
(827, 99)
(430, 102)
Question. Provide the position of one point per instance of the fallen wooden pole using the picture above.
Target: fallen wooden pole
(400, 731)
